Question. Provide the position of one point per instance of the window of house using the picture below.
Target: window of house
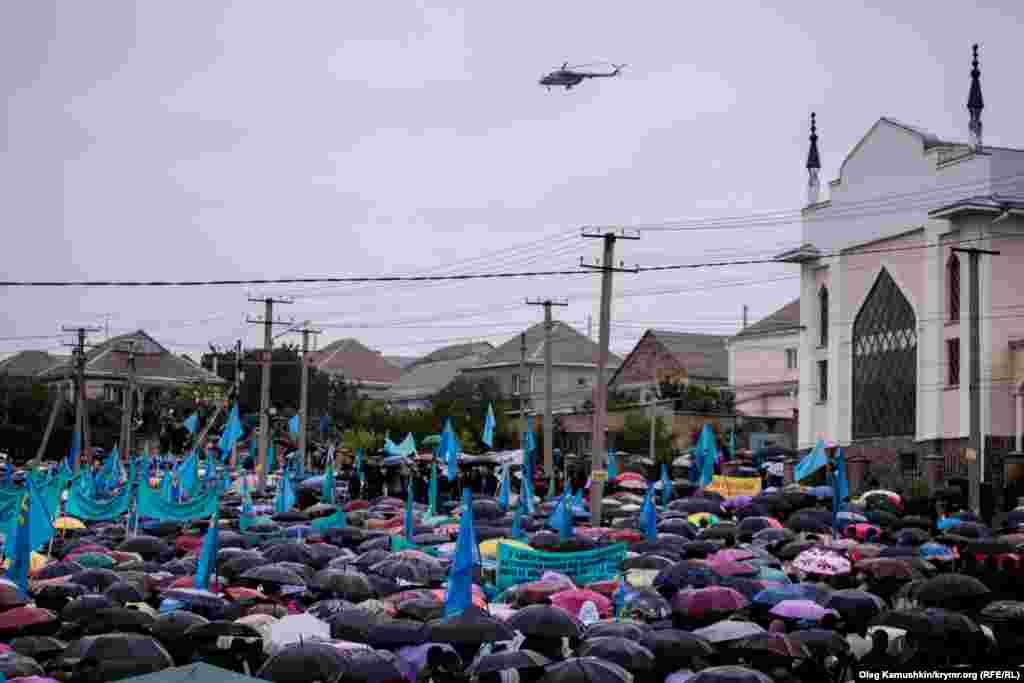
(533, 383)
(822, 381)
(953, 287)
(581, 381)
(516, 382)
(823, 316)
(791, 359)
(109, 392)
(908, 465)
(952, 362)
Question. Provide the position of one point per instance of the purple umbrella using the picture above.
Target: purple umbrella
(800, 609)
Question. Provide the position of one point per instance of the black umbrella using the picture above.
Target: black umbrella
(855, 606)
(694, 505)
(822, 640)
(721, 531)
(628, 654)
(674, 649)
(989, 546)
(123, 593)
(585, 670)
(58, 569)
(304, 662)
(951, 590)
(794, 548)
(729, 674)
(349, 585)
(617, 629)
(372, 666)
(771, 536)
(170, 630)
(504, 661)
(378, 543)
(95, 579)
(395, 633)
(698, 550)
(323, 553)
(116, 619)
(16, 665)
(679, 526)
(475, 626)
(649, 561)
(150, 547)
(935, 623)
(325, 609)
(542, 621)
(57, 596)
(684, 574)
(915, 522)
(273, 574)
(372, 557)
(119, 655)
(912, 536)
(354, 624)
(289, 552)
(411, 570)
(79, 609)
(240, 563)
(39, 648)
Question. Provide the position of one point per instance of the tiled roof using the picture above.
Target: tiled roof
(153, 362)
(403, 362)
(426, 379)
(455, 352)
(703, 355)
(786, 319)
(355, 362)
(568, 347)
(29, 363)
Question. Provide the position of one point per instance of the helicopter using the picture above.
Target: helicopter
(567, 76)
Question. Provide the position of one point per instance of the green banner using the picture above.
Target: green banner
(518, 565)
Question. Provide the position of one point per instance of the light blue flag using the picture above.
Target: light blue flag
(231, 434)
(506, 488)
(271, 454)
(613, 466)
(812, 462)
(449, 449)
(459, 594)
(167, 488)
(732, 445)
(666, 486)
(285, 498)
(408, 446)
(552, 486)
(40, 521)
(327, 492)
(527, 485)
(531, 442)
(489, 424)
(408, 528)
(432, 493)
(707, 455)
(649, 516)
(21, 547)
(76, 448)
(293, 424)
(517, 519)
(619, 599)
(208, 555)
(192, 423)
(840, 487)
(188, 473)
(577, 501)
(108, 476)
(561, 519)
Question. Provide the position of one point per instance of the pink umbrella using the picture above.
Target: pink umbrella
(572, 601)
(823, 562)
(731, 568)
(732, 555)
(800, 609)
(700, 601)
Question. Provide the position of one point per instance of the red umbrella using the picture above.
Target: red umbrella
(190, 582)
(240, 594)
(11, 596)
(626, 536)
(863, 532)
(20, 618)
(186, 544)
(572, 601)
(699, 602)
(357, 505)
(606, 588)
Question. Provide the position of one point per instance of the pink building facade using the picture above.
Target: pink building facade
(764, 367)
(884, 303)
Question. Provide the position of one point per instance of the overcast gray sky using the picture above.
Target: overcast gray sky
(214, 139)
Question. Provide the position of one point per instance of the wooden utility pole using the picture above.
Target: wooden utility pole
(128, 403)
(599, 462)
(549, 428)
(81, 414)
(268, 347)
(655, 396)
(975, 461)
(304, 396)
(58, 403)
(522, 394)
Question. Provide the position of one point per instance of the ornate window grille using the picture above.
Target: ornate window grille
(953, 287)
(952, 362)
(885, 363)
(823, 316)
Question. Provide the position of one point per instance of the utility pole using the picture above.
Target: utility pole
(81, 416)
(549, 422)
(599, 462)
(975, 466)
(128, 403)
(304, 396)
(522, 393)
(655, 396)
(268, 347)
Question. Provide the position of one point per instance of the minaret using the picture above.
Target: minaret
(975, 103)
(813, 166)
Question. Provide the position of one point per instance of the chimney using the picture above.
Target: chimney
(975, 103)
(813, 165)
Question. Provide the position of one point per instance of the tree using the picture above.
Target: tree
(636, 437)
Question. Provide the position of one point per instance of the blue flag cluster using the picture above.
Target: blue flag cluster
(459, 595)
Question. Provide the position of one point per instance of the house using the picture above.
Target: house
(884, 302)
(675, 357)
(28, 364)
(764, 368)
(364, 368)
(432, 373)
(574, 359)
(107, 365)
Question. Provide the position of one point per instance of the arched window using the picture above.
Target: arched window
(823, 316)
(885, 363)
(953, 287)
